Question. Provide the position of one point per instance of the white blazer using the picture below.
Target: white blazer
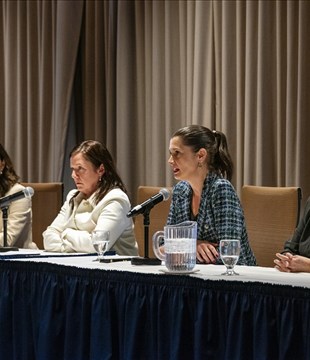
(19, 224)
(71, 230)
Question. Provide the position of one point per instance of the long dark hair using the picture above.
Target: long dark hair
(8, 177)
(96, 153)
(198, 137)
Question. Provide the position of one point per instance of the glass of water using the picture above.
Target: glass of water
(100, 241)
(229, 252)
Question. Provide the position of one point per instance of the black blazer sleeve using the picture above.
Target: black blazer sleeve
(299, 244)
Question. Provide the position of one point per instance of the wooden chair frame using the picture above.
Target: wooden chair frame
(46, 203)
(271, 215)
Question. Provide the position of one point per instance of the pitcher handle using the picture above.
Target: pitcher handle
(156, 245)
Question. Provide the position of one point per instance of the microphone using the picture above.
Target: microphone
(6, 200)
(163, 195)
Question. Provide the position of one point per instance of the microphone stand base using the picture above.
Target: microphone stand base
(8, 248)
(145, 261)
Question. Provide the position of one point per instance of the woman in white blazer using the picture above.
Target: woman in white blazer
(99, 202)
(19, 222)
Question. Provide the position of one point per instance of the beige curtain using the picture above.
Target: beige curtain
(237, 66)
(135, 71)
(38, 54)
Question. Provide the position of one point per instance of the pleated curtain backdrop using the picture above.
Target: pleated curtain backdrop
(133, 72)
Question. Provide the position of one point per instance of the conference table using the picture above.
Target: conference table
(73, 307)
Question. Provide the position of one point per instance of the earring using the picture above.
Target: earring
(199, 165)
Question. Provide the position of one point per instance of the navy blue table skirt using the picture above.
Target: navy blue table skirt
(58, 312)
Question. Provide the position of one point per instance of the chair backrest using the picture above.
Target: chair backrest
(271, 216)
(46, 203)
(158, 218)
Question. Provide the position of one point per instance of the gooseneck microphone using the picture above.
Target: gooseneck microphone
(163, 195)
(6, 200)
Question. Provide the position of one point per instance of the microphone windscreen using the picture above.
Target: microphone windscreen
(165, 193)
(28, 191)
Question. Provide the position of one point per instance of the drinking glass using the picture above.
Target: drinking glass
(100, 241)
(229, 252)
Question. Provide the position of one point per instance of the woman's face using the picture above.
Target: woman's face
(85, 175)
(183, 160)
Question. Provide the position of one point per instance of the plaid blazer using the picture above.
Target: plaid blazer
(220, 213)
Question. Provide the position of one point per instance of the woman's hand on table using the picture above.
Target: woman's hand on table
(207, 252)
(292, 263)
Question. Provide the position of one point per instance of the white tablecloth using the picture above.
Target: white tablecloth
(210, 272)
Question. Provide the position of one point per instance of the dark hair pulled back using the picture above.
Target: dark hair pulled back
(198, 137)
